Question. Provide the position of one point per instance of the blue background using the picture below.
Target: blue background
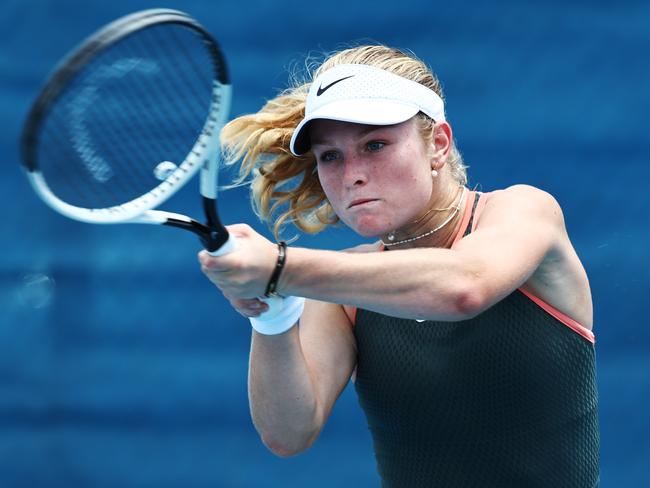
(120, 365)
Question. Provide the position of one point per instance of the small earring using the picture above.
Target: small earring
(434, 173)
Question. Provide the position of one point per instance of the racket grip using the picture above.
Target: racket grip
(229, 246)
(276, 304)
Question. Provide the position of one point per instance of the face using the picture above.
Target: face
(377, 178)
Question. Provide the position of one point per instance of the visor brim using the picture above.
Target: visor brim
(358, 111)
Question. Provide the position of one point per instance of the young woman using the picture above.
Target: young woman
(466, 326)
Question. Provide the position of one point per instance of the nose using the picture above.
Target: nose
(355, 172)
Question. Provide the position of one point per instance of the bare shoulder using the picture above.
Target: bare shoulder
(526, 199)
(527, 209)
(560, 279)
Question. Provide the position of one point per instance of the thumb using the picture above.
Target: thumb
(240, 230)
(212, 263)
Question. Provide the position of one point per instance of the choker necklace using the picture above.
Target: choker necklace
(391, 236)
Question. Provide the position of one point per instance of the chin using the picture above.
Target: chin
(368, 234)
(367, 225)
(369, 230)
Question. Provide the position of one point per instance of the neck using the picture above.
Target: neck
(435, 226)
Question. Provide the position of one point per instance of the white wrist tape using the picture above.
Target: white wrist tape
(286, 316)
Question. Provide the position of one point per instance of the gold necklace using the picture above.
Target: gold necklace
(437, 209)
(391, 236)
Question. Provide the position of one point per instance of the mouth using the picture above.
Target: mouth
(361, 201)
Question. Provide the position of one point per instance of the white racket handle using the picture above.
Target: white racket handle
(276, 304)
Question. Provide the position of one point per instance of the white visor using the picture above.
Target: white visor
(364, 94)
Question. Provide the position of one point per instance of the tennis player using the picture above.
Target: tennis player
(466, 326)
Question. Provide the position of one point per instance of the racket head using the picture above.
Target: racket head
(128, 117)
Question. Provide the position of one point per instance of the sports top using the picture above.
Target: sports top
(505, 399)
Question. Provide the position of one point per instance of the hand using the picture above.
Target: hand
(248, 307)
(243, 273)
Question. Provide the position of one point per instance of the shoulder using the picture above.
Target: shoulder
(524, 194)
(523, 202)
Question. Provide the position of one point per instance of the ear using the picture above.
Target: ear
(441, 144)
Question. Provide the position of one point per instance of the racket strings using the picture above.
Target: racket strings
(193, 84)
(93, 155)
(180, 110)
(125, 149)
(141, 102)
(93, 158)
(150, 119)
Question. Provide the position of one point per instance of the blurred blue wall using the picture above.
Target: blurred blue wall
(120, 365)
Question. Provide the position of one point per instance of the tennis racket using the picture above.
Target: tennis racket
(129, 117)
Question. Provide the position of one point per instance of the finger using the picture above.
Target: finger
(253, 304)
(250, 307)
(204, 257)
(250, 313)
(211, 263)
(239, 230)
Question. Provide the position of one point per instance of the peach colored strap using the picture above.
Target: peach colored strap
(565, 319)
(351, 312)
(471, 196)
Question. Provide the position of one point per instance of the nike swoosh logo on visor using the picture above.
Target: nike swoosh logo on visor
(322, 89)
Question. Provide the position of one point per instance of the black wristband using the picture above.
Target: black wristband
(279, 266)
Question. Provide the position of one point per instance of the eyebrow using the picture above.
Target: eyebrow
(362, 133)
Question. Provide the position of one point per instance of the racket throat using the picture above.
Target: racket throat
(217, 233)
(213, 234)
(212, 239)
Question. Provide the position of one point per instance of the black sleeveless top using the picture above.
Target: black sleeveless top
(506, 399)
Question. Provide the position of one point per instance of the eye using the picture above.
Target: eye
(329, 156)
(374, 146)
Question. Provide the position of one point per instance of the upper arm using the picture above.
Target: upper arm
(518, 229)
(328, 344)
(329, 349)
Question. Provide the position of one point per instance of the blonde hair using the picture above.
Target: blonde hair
(285, 187)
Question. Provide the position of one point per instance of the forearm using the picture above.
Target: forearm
(435, 284)
(281, 393)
